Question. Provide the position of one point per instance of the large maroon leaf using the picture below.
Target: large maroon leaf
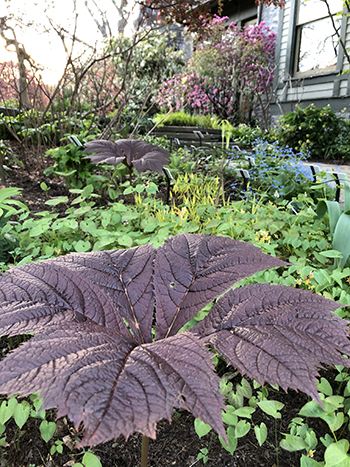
(94, 315)
(132, 152)
(36, 295)
(277, 334)
(126, 276)
(110, 385)
(191, 270)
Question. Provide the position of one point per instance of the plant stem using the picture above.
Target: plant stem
(276, 445)
(144, 451)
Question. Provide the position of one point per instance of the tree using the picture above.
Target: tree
(189, 12)
(22, 56)
(230, 68)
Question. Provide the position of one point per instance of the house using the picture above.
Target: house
(310, 59)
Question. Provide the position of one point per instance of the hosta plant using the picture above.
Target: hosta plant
(108, 350)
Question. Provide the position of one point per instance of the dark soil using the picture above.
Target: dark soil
(177, 443)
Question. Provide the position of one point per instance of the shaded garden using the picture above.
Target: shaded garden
(104, 224)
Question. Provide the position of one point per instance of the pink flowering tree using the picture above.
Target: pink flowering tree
(231, 68)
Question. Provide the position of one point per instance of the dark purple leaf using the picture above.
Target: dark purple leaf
(85, 360)
(112, 387)
(191, 270)
(126, 276)
(133, 153)
(277, 334)
(33, 296)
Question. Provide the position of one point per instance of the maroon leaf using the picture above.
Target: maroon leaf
(112, 387)
(84, 359)
(191, 270)
(33, 296)
(277, 334)
(126, 276)
(133, 153)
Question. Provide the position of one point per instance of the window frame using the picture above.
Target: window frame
(297, 42)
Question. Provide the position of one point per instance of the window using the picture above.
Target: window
(316, 40)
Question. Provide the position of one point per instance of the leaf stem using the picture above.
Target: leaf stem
(144, 451)
(276, 444)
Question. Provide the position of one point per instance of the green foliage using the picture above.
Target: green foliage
(339, 224)
(145, 63)
(185, 119)
(8, 208)
(318, 132)
(334, 412)
(31, 127)
(19, 412)
(72, 164)
(245, 135)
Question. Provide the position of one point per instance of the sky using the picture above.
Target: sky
(41, 41)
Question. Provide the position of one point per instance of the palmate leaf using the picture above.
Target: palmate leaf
(277, 334)
(94, 314)
(110, 384)
(192, 270)
(133, 153)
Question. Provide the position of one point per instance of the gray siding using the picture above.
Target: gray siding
(333, 88)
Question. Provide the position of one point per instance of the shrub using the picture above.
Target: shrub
(317, 132)
(230, 68)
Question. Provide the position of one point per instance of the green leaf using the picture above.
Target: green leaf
(229, 417)
(325, 387)
(331, 254)
(245, 412)
(261, 433)
(21, 413)
(242, 428)
(232, 440)
(87, 191)
(347, 196)
(201, 428)
(44, 187)
(309, 462)
(128, 190)
(82, 246)
(90, 460)
(293, 443)
(125, 240)
(57, 200)
(271, 407)
(341, 238)
(336, 454)
(7, 409)
(47, 430)
(311, 409)
(8, 192)
(246, 389)
(333, 210)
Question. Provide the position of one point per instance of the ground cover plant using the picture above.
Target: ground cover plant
(188, 272)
